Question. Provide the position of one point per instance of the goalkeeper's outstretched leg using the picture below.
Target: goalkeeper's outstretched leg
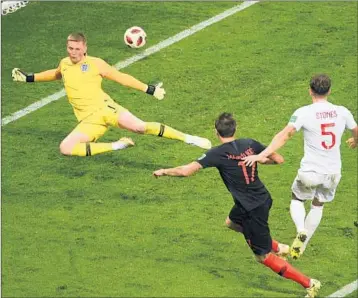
(82, 140)
(130, 122)
(80, 144)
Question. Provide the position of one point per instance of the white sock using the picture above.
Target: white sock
(283, 248)
(312, 221)
(188, 139)
(298, 214)
(119, 145)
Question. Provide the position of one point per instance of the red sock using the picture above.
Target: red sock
(274, 246)
(286, 270)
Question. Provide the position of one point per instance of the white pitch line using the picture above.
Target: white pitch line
(156, 48)
(346, 290)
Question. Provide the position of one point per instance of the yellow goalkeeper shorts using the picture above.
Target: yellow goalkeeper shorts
(96, 124)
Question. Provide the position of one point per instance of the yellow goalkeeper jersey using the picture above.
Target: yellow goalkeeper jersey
(82, 83)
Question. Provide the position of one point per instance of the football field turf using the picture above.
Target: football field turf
(103, 226)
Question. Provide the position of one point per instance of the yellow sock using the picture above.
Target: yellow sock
(161, 130)
(89, 149)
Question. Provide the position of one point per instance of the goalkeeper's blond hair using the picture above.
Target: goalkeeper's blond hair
(77, 36)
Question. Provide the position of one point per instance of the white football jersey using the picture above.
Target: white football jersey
(323, 124)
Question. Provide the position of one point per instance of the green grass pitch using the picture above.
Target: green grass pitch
(103, 226)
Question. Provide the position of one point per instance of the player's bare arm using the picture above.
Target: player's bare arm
(127, 80)
(278, 141)
(181, 171)
(352, 142)
(273, 159)
(19, 75)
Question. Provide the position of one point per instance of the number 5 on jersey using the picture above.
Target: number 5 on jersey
(325, 132)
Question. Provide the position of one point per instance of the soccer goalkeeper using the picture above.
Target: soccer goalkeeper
(95, 110)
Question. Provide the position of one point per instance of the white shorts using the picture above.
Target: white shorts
(309, 185)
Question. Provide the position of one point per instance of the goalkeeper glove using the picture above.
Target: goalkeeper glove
(156, 90)
(19, 76)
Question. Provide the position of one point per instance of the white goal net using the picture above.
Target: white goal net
(11, 6)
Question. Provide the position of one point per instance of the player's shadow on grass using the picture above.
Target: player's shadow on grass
(129, 163)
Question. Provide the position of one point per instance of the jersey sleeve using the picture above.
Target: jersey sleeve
(58, 70)
(350, 122)
(103, 67)
(61, 62)
(296, 119)
(257, 146)
(208, 159)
